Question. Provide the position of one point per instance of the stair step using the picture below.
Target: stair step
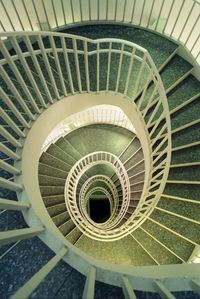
(67, 227)
(57, 152)
(137, 187)
(136, 169)
(64, 144)
(159, 253)
(61, 219)
(178, 245)
(57, 209)
(44, 169)
(45, 180)
(127, 251)
(186, 136)
(186, 114)
(54, 162)
(183, 92)
(189, 173)
(74, 235)
(183, 227)
(174, 70)
(187, 155)
(53, 200)
(87, 139)
(184, 191)
(51, 190)
(186, 209)
(137, 156)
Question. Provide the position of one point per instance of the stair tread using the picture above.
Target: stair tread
(125, 251)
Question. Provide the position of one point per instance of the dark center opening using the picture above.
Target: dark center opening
(99, 209)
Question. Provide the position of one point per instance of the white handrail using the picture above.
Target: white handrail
(179, 20)
(108, 232)
(50, 45)
(101, 114)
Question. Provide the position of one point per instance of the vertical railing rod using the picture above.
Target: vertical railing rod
(53, 46)
(18, 17)
(195, 43)
(144, 112)
(74, 42)
(63, 11)
(37, 67)
(27, 14)
(139, 75)
(54, 13)
(109, 64)
(116, 8)
(72, 11)
(142, 12)
(119, 67)
(86, 66)
(158, 19)
(107, 10)
(186, 21)
(168, 15)
(98, 9)
(191, 30)
(159, 135)
(46, 16)
(7, 14)
(197, 56)
(156, 124)
(9, 137)
(150, 14)
(11, 123)
(133, 11)
(81, 10)
(90, 13)
(98, 67)
(27, 70)
(14, 90)
(144, 90)
(2, 26)
(124, 10)
(177, 18)
(47, 65)
(36, 13)
(14, 110)
(66, 59)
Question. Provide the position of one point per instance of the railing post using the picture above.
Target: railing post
(127, 289)
(196, 286)
(9, 137)
(26, 290)
(8, 204)
(88, 292)
(19, 234)
(163, 291)
(10, 185)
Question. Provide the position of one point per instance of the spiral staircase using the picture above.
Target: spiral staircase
(99, 185)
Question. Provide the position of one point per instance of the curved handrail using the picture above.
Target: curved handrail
(179, 20)
(73, 207)
(50, 45)
(85, 193)
(42, 101)
(96, 115)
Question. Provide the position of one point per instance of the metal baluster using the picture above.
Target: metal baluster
(36, 13)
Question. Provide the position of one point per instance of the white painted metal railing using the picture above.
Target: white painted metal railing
(102, 114)
(108, 232)
(109, 189)
(177, 19)
(63, 65)
(33, 76)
